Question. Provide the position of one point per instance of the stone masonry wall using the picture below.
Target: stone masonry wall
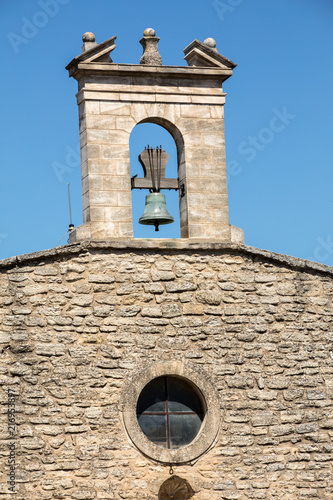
(77, 324)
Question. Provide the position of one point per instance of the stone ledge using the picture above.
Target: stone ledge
(185, 245)
(81, 69)
(132, 96)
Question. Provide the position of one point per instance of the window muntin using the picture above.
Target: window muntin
(170, 412)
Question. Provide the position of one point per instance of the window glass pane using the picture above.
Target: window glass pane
(181, 396)
(169, 395)
(183, 429)
(154, 427)
(153, 396)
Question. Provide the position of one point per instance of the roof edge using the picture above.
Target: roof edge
(210, 52)
(142, 70)
(166, 244)
(91, 54)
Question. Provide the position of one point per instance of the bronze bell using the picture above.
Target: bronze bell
(156, 212)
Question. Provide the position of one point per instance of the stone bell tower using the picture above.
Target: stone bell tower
(187, 101)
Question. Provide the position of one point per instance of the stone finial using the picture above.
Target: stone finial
(88, 41)
(88, 37)
(149, 32)
(149, 42)
(210, 42)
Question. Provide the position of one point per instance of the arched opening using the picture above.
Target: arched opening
(154, 135)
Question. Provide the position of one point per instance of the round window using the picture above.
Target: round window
(170, 412)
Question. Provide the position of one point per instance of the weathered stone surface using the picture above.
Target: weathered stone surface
(112, 311)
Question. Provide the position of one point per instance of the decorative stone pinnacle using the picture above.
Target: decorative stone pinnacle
(88, 37)
(88, 41)
(149, 32)
(210, 42)
(149, 42)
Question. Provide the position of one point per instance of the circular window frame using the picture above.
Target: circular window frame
(207, 434)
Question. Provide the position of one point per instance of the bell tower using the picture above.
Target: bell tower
(188, 101)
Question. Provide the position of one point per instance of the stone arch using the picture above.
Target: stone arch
(174, 131)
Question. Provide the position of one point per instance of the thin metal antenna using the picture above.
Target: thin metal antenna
(71, 225)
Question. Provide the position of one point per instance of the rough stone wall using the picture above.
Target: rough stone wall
(75, 327)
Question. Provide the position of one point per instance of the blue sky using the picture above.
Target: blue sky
(278, 113)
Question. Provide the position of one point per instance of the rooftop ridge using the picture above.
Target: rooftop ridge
(168, 245)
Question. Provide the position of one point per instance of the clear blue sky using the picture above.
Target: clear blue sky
(280, 171)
